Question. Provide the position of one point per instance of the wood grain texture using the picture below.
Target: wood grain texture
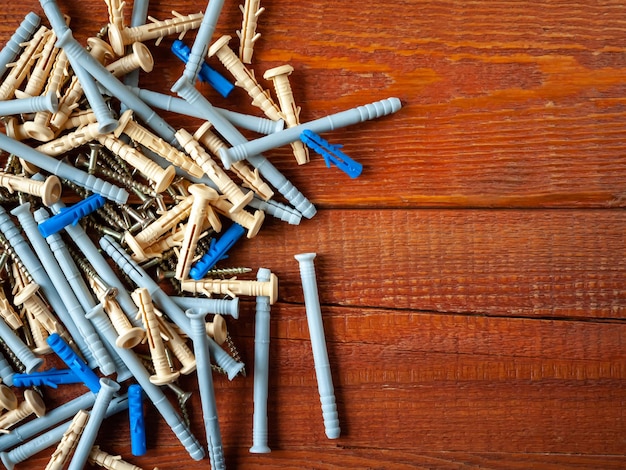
(471, 279)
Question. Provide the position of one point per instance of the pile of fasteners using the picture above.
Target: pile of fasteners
(84, 282)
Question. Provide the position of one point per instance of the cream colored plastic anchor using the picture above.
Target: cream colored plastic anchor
(67, 103)
(108, 461)
(32, 404)
(252, 222)
(121, 37)
(129, 335)
(144, 137)
(156, 249)
(244, 78)
(226, 186)
(38, 334)
(100, 50)
(70, 141)
(23, 65)
(200, 210)
(116, 12)
(139, 58)
(63, 452)
(48, 190)
(39, 127)
(248, 35)
(162, 177)
(80, 118)
(233, 287)
(177, 345)
(8, 313)
(162, 372)
(27, 295)
(216, 329)
(291, 112)
(41, 70)
(8, 400)
(139, 242)
(14, 129)
(250, 178)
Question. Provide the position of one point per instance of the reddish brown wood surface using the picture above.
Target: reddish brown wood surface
(472, 278)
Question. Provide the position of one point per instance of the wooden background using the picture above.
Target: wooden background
(472, 278)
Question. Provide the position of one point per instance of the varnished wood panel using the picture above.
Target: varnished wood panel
(460, 336)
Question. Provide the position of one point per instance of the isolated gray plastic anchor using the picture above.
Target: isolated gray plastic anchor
(173, 311)
(197, 319)
(52, 437)
(34, 104)
(94, 349)
(195, 99)
(63, 170)
(328, 123)
(107, 388)
(22, 34)
(78, 286)
(200, 45)
(214, 306)
(277, 209)
(36, 270)
(156, 395)
(252, 123)
(318, 344)
(6, 372)
(21, 351)
(261, 368)
(53, 417)
(99, 263)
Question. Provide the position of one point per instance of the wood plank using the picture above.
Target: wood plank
(548, 263)
(528, 113)
(420, 386)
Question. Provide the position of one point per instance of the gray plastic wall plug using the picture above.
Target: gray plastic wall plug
(261, 368)
(334, 121)
(22, 34)
(205, 384)
(318, 344)
(215, 306)
(107, 388)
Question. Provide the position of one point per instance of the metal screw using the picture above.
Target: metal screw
(94, 151)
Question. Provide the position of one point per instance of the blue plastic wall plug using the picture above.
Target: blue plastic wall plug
(136, 419)
(206, 73)
(51, 378)
(71, 215)
(331, 153)
(71, 359)
(217, 251)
